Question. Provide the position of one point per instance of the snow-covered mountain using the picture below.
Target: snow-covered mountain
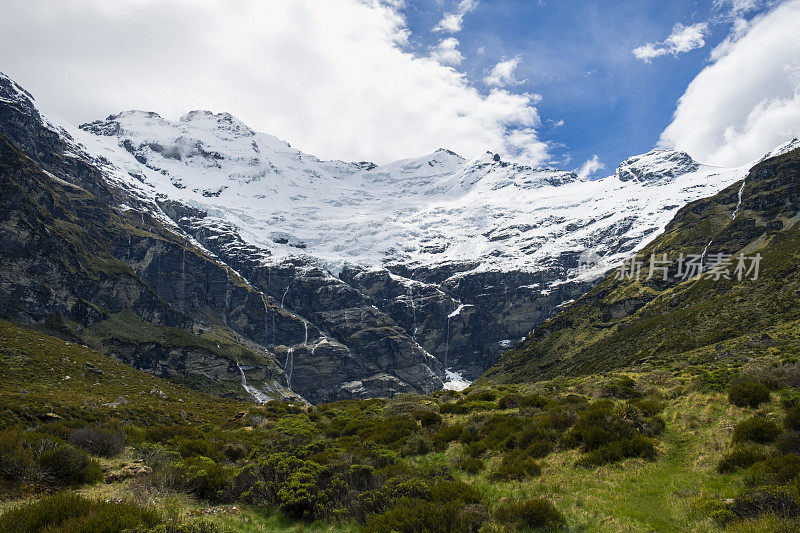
(396, 276)
(422, 212)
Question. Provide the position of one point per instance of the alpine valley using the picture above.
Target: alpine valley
(203, 330)
(212, 255)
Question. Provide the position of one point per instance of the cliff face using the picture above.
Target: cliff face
(87, 258)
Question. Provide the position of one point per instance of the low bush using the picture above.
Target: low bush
(430, 418)
(789, 442)
(535, 513)
(103, 442)
(412, 516)
(780, 501)
(516, 465)
(35, 459)
(447, 434)
(740, 458)
(790, 397)
(756, 429)
(748, 394)
(624, 388)
(416, 445)
(70, 466)
(778, 470)
(70, 513)
(629, 447)
(470, 465)
(792, 420)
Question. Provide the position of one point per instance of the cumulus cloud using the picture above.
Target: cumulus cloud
(447, 53)
(331, 77)
(452, 22)
(590, 167)
(682, 39)
(503, 73)
(747, 101)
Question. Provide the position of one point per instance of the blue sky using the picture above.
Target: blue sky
(544, 82)
(577, 54)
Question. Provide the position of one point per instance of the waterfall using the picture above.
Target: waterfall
(447, 346)
(305, 341)
(739, 204)
(289, 286)
(703, 255)
(288, 367)
(413, 311)
(257, 395)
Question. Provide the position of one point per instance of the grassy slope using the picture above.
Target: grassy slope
(33, 382)
(634, 495)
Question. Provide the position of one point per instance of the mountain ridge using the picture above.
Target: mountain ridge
(460, 259)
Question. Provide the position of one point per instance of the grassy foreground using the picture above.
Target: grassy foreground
(648, 449)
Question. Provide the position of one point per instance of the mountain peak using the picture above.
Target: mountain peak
(220, 121)
(656, 166)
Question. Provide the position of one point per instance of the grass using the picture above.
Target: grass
(44, 377)
(630, 495)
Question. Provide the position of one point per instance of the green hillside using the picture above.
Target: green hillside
(627, 321)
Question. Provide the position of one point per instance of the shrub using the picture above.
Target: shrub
(482, 396)
(739, 458)
(234, 451)
(509, 401)
(204, 477)
(416, 445)
(536, 513)
(756, 429)
(780, 501)
(790, 397)
(430, 418)
(99, 441)
(412, 516)
(68, 513)
(789, 442)
(648, 406)
(516, 465)
(446, 435)
(779, 470)
(535, 401)
(792, 420)
(624, 388)
(70, 466)
(633, 446)
(470, 465)
(748, 394)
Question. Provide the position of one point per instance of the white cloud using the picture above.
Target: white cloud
(447, 53)
(330, 77)
(503, 73)
(747, 100)
(682, 39)
(737, 8)
(452, 22)
(590, 167)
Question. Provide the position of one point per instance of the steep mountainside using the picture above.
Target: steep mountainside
(626, 321)
(97, 262)
(332, 279)
(467, 256)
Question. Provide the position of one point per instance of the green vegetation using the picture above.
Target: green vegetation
(645, 449)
